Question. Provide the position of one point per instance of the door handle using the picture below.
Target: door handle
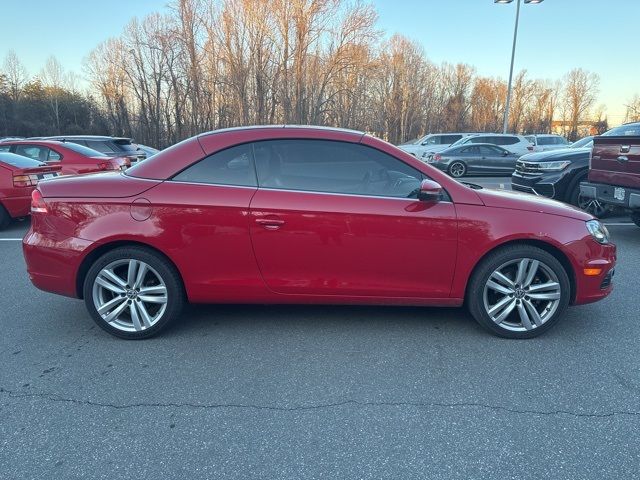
(270, 223)
(623, 158)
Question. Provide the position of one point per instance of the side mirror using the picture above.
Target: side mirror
(430, 191)
(505, 153)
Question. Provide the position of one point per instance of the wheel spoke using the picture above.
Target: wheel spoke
(499, 288)
(541, 287)
(142, 271)
(105, 283)
(505, 312)
(503, 279)
(115, 313)
(499, 306)
(533, 269)
(131, 272)
(533, 313)
(110, 304)
(524, 316)
(133, 309)
(545, 296)
(112, 277)
(153, 289)
(522, 271)
(144, 315)
(153, 298)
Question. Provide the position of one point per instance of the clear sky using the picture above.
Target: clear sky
(554, 37)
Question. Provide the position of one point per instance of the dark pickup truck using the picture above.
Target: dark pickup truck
(614, 170)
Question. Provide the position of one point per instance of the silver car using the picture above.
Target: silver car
(475, 159)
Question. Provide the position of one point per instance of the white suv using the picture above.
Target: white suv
(517, 144)
(434, 142)
(546, 142)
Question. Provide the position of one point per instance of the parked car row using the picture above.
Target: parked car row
(33, 158)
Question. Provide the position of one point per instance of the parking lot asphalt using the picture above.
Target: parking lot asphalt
(318, 392)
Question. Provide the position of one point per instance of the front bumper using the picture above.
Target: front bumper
(552, 185)
(624, 197)
(589, 254)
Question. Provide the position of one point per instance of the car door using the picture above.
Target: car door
(341, 219)
(501, 160)
(471, 157)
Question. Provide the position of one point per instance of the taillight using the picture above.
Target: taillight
(107, 166)
(437, 157)
(38, 205)
(25, 180)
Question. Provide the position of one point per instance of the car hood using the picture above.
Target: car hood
(530, 203)
(553, 155)
(95, 185)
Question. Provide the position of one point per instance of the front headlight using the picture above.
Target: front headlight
(598, 231)
(551, 166)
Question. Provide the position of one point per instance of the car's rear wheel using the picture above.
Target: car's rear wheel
(518, 291)
(133, 293)
(5, 219)
(457, 169)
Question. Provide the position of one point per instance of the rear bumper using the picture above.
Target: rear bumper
(607, 194)
(18, 206)
(53, 263)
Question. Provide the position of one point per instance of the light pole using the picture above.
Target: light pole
(505, 124)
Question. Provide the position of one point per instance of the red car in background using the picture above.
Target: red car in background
(308, 215)
(73, 158)
(18, 178)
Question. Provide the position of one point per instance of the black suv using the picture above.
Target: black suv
(557, 174)
(112, 146)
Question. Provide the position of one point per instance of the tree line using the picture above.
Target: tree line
(202, 65)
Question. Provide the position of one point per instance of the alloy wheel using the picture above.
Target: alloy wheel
(522, 294)
(457, 169)
(129, 295)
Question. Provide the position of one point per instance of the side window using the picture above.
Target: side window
(333, 167)
(433, 140)
(509, 141)
(449, 139)
(471, 150)
(233, 166)
(480, 140)
(54, 156)
(4, 148)
(490, 150)
(40, 154)
(546, 140)
(101, 147)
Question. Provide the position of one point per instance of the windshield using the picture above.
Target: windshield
(632, 129)
(81, 149)
(586, 142)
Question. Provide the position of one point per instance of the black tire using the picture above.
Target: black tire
(635, 218)
(175, 295)
(476, 290)
(457, 169)
(595, 208)
(5, 219)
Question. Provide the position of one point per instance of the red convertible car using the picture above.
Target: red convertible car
(287, 214)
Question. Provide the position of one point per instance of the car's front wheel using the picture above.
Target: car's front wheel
(518, 291)
(133, 292)
(5, 219)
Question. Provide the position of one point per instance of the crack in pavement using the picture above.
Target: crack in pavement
(59, 399)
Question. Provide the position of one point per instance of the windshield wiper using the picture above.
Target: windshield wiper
(475, 186)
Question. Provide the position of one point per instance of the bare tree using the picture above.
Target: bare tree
(15, 73)
(580, 93)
